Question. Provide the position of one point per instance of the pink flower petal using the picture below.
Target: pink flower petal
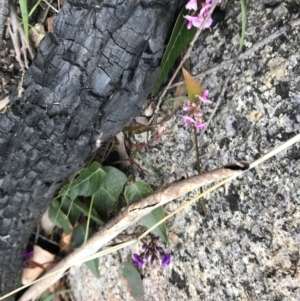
(204, 98)
(188, 120)
(192, 4)
(200, 125)
(193, 21)
(187, 108)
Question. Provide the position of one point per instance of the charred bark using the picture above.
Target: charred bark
(87, 82)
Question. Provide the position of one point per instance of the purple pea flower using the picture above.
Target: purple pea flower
(151, 253)
(204, 97)
(200, 125)
(138, 260)
(26, 258)
(187, 120)
(166, 260)
(27, 254)
(193, 21)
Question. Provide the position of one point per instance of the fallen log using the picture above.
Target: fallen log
(88, 80)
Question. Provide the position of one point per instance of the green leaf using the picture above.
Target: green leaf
(24, 14)
(192, 86)
(85, 210)
(78, 237)
(88, 182)
(122, 203)
(70, 210)
(58, 218)
(180, 39)
(133, 280)
(93, 266)
(108, 193)
(152, 218)
(136, 191)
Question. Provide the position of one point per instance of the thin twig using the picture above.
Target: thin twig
(198, 167)
(49, 4)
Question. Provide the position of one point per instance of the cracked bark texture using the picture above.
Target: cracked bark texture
(88, 80)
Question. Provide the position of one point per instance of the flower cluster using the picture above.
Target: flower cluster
(195, 115)
(152, 252)
(196, 21)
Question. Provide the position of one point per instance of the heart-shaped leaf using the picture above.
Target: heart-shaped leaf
(152, 218)
(109, 191)
(88, 182)
(135, 192)
(133, 280)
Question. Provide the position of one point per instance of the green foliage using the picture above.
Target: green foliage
(180, 39)
(97, 193)
(109, 191)
(133, 280)
(78, 238)
(88, 182)
(24, 14)
(139, 190)
(78, 205)
(58, 218)
(152, 218)
(93, 266)
(136, 191)
(72, 212)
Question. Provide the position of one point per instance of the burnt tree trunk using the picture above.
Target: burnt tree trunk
(87, 82)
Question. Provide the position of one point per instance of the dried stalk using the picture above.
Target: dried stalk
(17, 34)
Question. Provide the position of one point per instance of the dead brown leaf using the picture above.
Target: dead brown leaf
(50, 23)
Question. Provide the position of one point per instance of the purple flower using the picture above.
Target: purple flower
(166, 260)
(26, 257)
(138, 260)
(189, 107)
(187, 120)
(192, 4)
(200, 125)
(204, 97)
(193, 21)
(159, 249)
(27, 254)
